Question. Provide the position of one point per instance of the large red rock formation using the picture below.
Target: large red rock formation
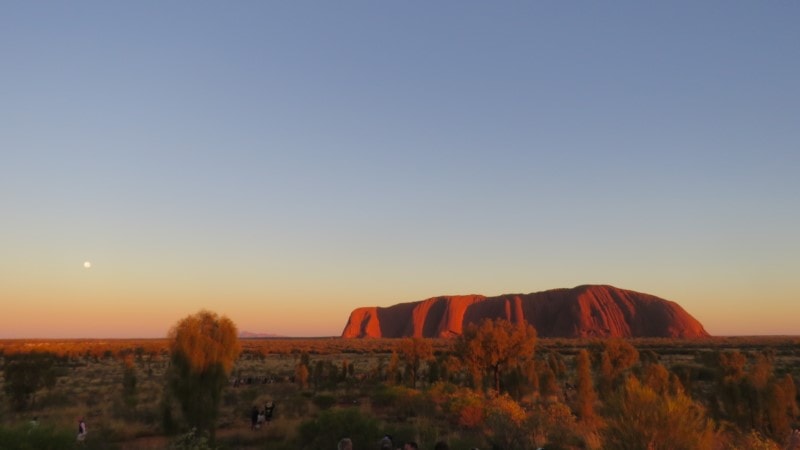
(583, 311)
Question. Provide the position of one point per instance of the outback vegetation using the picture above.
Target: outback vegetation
(497, 386)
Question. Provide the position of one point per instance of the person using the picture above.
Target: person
(33, 424)
(410, 445)
(268, 409)
(253, 418)
(81, 430)
(386, 443)
(441, 445)
(345, 444)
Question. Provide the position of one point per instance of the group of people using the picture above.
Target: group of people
(387, 444)
(261, 417)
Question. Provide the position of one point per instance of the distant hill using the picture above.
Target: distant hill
(248, 334)
(583, 311)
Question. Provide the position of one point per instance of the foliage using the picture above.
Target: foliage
(763, 389)
(332, 425)
(505, 424)
(192, 441)
(753, 397)
(415, 351)
(639, 418)
(586, 395)
(301, 375)
(493, 347)
(616, 357)
(462, 407)
(553, 424)
(27, 373)
(34, 439)
(204, 348)
(129, 382)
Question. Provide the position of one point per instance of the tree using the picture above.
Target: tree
(27, 373)
(586, 395)
(493, 347)
(129, 382)
(301, 375)
(415, 351)
(203, 349)
(548, 384)
(616, 358)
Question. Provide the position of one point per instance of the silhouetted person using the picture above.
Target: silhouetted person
(81, 430)
(386, 443)
(253, 418)
(345, 444)
(269, 408)
(411, 446)
(33, 424)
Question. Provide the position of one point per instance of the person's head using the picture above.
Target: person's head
(411, 445)
(386, 443)
(345, 444)
(441, 445)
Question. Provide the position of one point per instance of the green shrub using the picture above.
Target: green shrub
(192, 441)
(325, 431)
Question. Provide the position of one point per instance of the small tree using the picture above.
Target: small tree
(616, 358)
(586, 395)
(415, 351)
(203, 349)
(493, 347)
(129, 382)
(301, 375)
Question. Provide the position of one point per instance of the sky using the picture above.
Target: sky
(282, 163)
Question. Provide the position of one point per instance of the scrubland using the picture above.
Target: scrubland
(717, 393)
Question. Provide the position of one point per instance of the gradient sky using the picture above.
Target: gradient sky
(282, 163)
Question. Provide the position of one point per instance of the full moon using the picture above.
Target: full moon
(87, 264)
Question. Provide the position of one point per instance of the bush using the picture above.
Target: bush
(192, 441)
(326, 430)
(640, 418)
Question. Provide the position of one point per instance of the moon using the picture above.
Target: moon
(87, 265)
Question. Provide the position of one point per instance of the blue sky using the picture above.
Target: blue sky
(269, 160)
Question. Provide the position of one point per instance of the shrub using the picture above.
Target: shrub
(324, 431)
(27, 373)
(192, 441)
(640, 418)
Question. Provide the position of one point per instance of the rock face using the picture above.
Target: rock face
(583, 311)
